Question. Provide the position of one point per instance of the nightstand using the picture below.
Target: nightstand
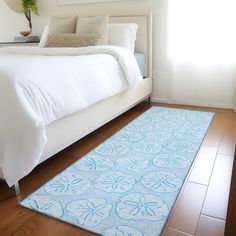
(9, 44)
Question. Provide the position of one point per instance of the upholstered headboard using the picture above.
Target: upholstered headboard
(144, 36)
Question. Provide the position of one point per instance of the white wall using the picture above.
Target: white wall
(13, 23)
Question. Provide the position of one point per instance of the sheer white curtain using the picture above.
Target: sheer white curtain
(202, 51)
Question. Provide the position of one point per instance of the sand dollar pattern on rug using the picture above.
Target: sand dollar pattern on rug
(186, 134)
(133, 163)
(148, 146)
(67, 183)
(161, 182)
(171, 160)
(122, 230)
(94, 162)
(89, 212)
(142, 126)
(115, 182)
(109, 148)
(127, 136)
(140, 206)
(45, 204)
(160, 136)
(183, 147)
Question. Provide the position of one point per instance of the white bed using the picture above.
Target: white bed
(67, 130)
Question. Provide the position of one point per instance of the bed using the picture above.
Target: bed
(78, 124)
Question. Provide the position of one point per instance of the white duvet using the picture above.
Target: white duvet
(40, 85)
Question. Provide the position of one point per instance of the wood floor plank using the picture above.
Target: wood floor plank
(7, 199)
(189, 204)
(7, 205)
(227, 144)
(47, 226)
(216, 201)
(230, 228)
(172, 232)
(9, 224)
(228, 139)
(209, 226)
(215, 131)
(202, 169)
(81, 232)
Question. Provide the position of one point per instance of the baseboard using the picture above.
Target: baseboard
(160, 100)
(193, 103)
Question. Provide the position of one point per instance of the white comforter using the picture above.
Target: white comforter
(40, 85)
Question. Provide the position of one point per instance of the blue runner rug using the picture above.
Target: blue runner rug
(127, 185)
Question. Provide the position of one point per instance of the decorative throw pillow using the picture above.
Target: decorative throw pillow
(123, 35)
(94, 25)
(72, 40)
(58, 25)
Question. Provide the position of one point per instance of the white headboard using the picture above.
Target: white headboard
(144, 35)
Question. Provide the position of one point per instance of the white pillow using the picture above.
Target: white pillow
(44, 37)
(123, 35)
(94, 25)
(58, 25)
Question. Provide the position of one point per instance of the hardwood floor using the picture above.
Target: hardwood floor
(230, 229)
(199, 210)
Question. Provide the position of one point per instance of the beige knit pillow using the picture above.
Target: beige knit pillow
(58, 25)
(94, 25)
(72, 40)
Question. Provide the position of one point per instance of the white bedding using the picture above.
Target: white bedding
(40, 85)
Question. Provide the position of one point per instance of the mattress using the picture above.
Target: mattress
(140, 58)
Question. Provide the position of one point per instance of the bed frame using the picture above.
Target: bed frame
(70, 129)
